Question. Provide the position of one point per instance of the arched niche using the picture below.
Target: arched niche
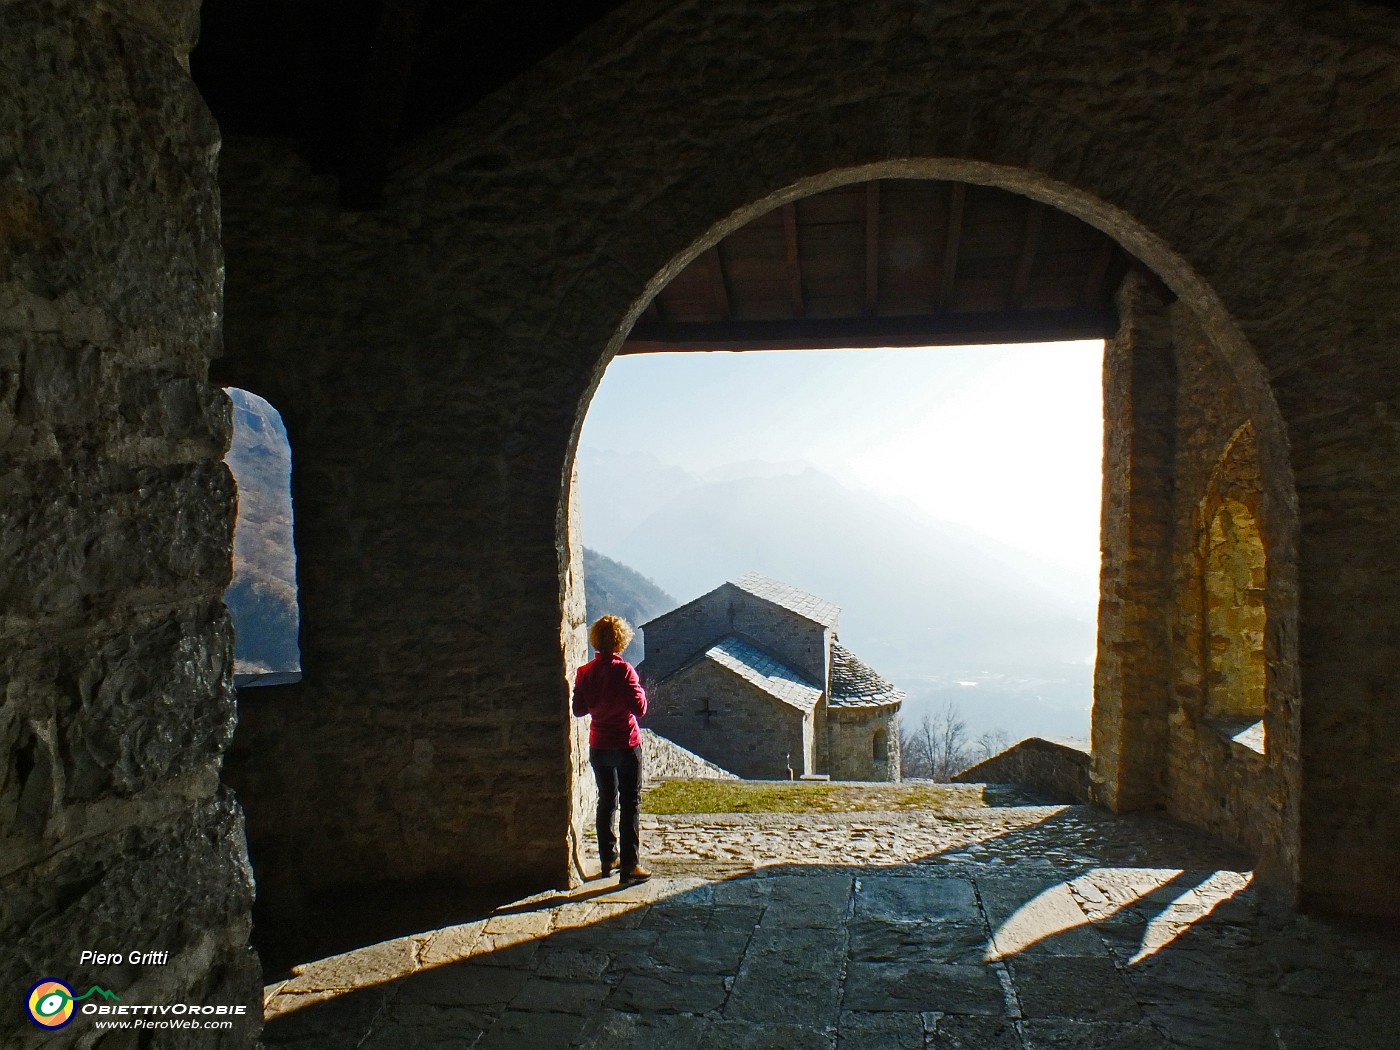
(1234, 578)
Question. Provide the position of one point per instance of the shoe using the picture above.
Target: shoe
(636, 873)
(605, 871)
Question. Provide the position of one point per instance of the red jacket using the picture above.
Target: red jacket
(607, 688)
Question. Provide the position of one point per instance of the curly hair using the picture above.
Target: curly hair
(609, 634)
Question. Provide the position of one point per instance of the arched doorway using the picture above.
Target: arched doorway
(715, 299)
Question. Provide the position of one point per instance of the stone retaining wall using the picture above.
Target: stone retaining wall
(1057, 771)
(666, 760)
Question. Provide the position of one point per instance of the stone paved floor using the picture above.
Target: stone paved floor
(1011, 928)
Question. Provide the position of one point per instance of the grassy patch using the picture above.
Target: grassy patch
(743, 796)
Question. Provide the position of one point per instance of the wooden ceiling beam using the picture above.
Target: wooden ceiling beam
(794, 261)
(1025, 261)
(947, 275)
(942, 329)
(872, 248)
(719, 286)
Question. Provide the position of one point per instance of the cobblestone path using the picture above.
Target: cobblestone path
(1005, 928)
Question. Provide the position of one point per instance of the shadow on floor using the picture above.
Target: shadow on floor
(1080, 930)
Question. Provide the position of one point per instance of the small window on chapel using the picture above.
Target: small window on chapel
(880, 746)
(706, 712)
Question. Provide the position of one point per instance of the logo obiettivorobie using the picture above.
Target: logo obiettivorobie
(51, 1002)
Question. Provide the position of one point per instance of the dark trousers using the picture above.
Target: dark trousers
(619, 776)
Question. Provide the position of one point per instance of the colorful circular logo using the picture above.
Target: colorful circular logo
(50, 1003)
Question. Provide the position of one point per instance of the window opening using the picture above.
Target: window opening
(262, 596)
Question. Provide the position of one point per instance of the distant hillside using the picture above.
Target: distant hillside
(940, 611)
(262, 599)
(611, 587)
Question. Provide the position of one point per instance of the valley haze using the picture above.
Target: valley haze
(942, 612)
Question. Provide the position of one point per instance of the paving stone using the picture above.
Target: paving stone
(1176, 976)
(342, 1020)
(814, 901)
(677, 917)
(944, 987)
(370, 965)
(765, 959)
(561, 996)
(1033, 915)
(1201, 1026)
(608, 939)
(790, 976)
(898, 899)
(704, 951)
(1089, 989)
(616, 1030)
(530, 1030)
(462, 984)
(943, 942)
(859, 1030)
(452, 944)
(743, 1035)
(571, 963)
(445, 1027)
(669, 991)
(972, 1033)
(1091, 1035)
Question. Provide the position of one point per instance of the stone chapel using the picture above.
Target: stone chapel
(750, 676)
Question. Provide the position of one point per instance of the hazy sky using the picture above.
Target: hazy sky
(1006, 440)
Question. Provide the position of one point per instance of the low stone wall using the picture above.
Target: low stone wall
(666, 760)
(1058, 771)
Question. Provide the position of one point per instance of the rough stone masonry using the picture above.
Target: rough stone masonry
(433, 361)
(116, 836)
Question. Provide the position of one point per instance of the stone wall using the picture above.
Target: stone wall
(666, 760)
(1059, 772)
(433, 361)
(1213, 780)
(862, 743)
(751, 734)
(1180, 449)
(678, 636)
(1132, 672)
(116, 526)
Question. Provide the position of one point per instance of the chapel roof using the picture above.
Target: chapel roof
(818, 610)
(764, 671)
(854, 683)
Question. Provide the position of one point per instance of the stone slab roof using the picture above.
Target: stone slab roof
(758, 668)
(818, 610)
(854, 683)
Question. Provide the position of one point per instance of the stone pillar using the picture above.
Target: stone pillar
(1133, 670)
(116, 523)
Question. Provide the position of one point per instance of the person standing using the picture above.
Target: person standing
(607, 688)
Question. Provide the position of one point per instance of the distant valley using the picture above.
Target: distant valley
(941, 612)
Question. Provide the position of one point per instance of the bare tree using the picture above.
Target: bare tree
(917, 748)
(992, 742)
(937, 746)
(951, 742)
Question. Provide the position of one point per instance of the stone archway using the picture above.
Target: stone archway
(440, 389)
(1136, 746)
